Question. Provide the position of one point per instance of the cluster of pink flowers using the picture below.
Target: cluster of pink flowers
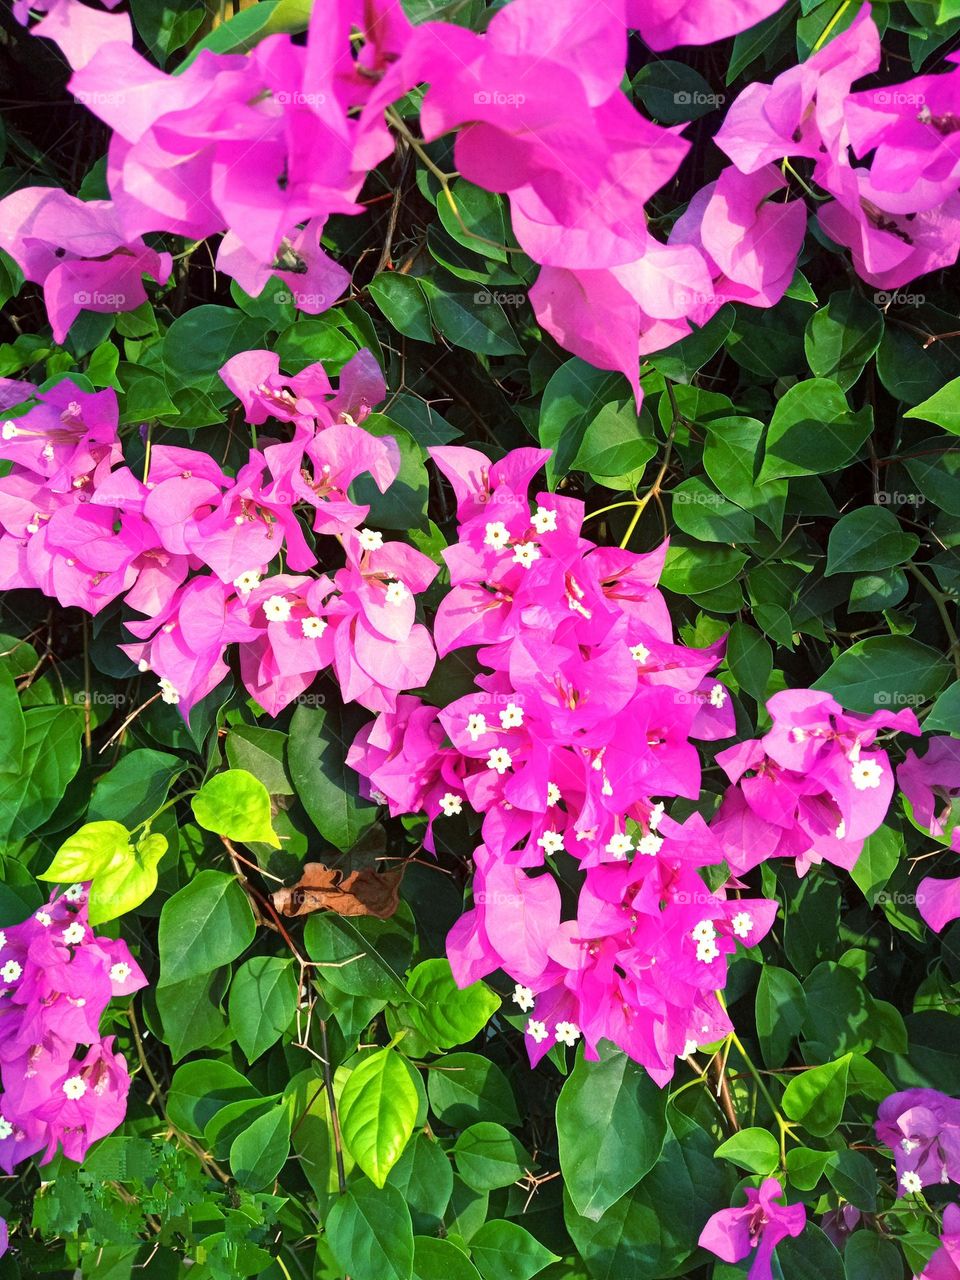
(930, 784)
(56, 979)
(262, 148)
(189, 546)
(899, 214)
(811, 788)
(583, 722)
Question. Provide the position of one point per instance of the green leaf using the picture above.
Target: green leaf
(805, 1167)
(478, 223)
(447, 1015)
(199, 1089)
(615, 449)
(488, 1156)
(362, 956)
(236, 805)
(378, 1111)
(780, 1007)
(935, 470)
(424, 1178)
(370, 1232)
(944, 715)
(51, 756)
(263, 1001)
(135, 788)
(505, 1251)
(731, 455)
(878, 859)
(885, 671)
(470, 318)
(328, 789)
(690, 570)
(842, 336)
(867, 1256)
(127, 881)
(753, 1149)
(465, 1087)
(684, 359)
(852, 1174)
(942, 408)
(191, 1012)
(867, 539)
(699, 510)
(611, 1126)
(201, 340)
(206, 924)
(750, 659)
(815, 1098)
(14, 725)
(812, 432)
(260, 1151)
(403, 303)
(87, 852)
(262, 753)
(441, 1260)
(571, 400)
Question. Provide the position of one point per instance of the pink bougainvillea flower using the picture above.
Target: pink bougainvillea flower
(945, 1263)
(922, 1129)
(802, 112)
(931, 783)
(78, 29)
(313, 280)
(734, 1234)
(667, 23)
(78, 251)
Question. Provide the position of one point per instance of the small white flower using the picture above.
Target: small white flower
(655, 816)
(551, 842)
(277, 609)
(907, 1145)
(544, 520)
(553, 794)
(168, 693)
(44, 918)
(377, 796)
(707, 951)
(619, 845)
(371, 539)
(74, 893)
(911, 1182)
(639, 653)
(6, 1128)
(522, 996)
(866, 775)
(312, 627)
(650, 844)
(704, 932)
(74, 933)
(476, 725)
(742, 923)
(11, 971)
(120, 972)
(451, 804)
(511, 717)
(32, 527)
(537, 1030)
(143, 665)
(525, 553)
(396, 593)
(247, 581)
(9, 431)
(718, 695)
(841, 830)
(75, 1088)
(496, 535)
(567, 1033)
(499, 759)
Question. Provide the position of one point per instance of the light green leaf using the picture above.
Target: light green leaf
(378, 1110)
(236, 805)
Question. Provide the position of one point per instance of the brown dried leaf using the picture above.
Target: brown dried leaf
(361, 893)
